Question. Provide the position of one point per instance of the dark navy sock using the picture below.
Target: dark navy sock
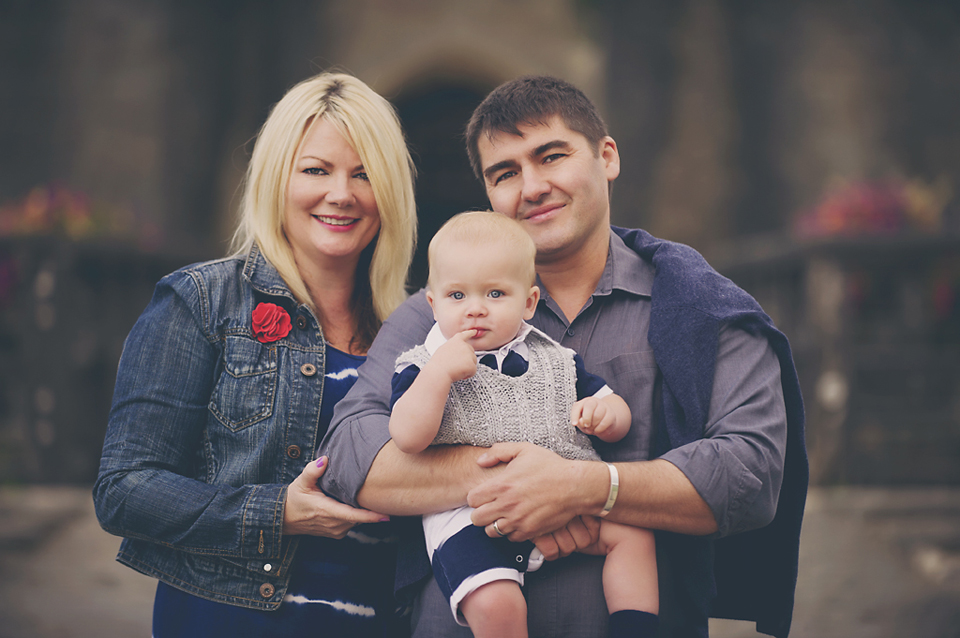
(630, 623)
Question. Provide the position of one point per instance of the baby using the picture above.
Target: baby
(484, 375)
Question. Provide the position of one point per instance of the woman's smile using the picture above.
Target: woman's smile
(336, 221)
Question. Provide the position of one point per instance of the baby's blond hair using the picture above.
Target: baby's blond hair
(490, 230)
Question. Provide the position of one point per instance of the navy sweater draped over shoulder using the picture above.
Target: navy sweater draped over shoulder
(747, 576)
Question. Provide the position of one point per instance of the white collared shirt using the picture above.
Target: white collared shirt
(518, 344)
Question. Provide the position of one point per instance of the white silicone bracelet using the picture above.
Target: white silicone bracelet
(614, 488)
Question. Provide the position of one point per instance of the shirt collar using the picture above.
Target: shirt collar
(518, 344)
(625, 270)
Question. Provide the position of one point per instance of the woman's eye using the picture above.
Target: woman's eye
(314, 170)
(362, 176)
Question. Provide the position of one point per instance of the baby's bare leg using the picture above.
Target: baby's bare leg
(630, 569)
(496, 609)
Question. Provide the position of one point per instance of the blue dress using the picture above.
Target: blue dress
(337, 587)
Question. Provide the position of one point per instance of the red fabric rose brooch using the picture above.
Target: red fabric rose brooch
(270, 323)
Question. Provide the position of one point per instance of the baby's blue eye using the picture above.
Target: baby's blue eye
(496, 293)
(457, 295)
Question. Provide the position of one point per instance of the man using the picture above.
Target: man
(709, 380)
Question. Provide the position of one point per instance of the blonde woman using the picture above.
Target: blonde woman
(228, 381)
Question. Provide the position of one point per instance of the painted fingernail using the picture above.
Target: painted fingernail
(321, 461)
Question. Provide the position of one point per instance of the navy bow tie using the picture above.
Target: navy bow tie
(513, 364)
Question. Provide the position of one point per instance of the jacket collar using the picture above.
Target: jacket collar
(262, 276)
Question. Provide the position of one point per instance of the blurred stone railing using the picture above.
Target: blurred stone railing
(65, 309)
(874, 323)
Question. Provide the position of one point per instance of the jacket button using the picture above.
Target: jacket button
(267, 590)
(308, 369)
(293, 451)
(301, 322)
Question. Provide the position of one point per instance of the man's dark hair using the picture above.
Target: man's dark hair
(532, 99)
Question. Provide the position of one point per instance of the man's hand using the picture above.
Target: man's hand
(538, 493)
(581, 532)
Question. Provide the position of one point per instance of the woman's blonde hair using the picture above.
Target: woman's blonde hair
(371, 126)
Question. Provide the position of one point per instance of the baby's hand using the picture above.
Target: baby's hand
(456, 357)
(591, 416)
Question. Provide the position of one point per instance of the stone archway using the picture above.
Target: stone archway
(434, 114)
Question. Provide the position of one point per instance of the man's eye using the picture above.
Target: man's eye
(503, 176)
(553, 157)
(496, 294)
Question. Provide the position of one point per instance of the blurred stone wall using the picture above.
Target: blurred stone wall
(732, 117)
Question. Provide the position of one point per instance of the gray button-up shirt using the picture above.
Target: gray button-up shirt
(737, 466)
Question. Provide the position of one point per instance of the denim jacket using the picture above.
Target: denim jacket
(208, 428)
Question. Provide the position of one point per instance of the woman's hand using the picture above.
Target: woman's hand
(309, 511)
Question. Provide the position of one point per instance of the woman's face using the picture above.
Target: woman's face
(331, 214)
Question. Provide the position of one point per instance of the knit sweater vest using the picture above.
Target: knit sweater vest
(492, 407)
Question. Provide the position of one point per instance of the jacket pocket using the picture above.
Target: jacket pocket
(247, 387)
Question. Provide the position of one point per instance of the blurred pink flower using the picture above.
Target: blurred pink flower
(878, 208)
(54, 208)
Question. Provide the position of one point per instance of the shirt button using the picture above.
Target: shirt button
(308, 369)
(301, 322)
(267, 590)
(293, 451)
(267, 567)
(571, 332)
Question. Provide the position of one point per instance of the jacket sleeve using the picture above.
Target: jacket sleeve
(737, 467)
(361, 421)
(153, 477)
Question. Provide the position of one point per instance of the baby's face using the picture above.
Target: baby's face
(476, 288)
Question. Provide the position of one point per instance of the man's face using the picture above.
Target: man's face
(551, 180)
